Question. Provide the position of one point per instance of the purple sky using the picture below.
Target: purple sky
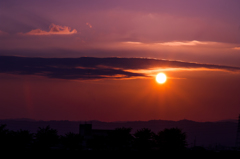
(132, 28)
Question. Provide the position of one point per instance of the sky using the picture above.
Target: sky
(98, 59)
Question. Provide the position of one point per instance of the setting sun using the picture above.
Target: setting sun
(161, 78)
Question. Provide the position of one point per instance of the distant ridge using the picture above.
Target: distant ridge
(229, 120)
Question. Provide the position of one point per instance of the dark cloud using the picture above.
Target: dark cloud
(91, 67)
(62, 68)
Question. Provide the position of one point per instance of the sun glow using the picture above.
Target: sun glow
(161, 78)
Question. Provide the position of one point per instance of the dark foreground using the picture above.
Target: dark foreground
(117, 154)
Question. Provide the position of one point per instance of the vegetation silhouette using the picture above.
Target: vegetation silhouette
(46, 138)
(71, 141)
(4, 137)
(171, 140)
(14, 140)
(119, 140)
(99, 143)
(143, 139)
(22, 139)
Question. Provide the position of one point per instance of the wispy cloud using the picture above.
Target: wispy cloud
(186, 43)
(177, 43)
(54, 30)
(93, 68)
(133, 42)
(236, 48)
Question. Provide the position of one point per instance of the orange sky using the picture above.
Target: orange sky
(194, 95)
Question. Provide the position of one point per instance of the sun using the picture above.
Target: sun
(161, 78)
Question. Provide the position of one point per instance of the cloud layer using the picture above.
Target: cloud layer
(92, 68)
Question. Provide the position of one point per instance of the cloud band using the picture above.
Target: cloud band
(91, 67)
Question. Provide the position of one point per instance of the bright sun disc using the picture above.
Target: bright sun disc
(161, 78)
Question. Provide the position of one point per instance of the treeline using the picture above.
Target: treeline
(120, 139)
(142, 140)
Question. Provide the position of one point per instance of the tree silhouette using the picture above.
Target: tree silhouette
(143, 139)
(121, 138)
(98, 142)
(171, 140)
(3, 130)
(71, 141)
(14, 140)
(22, 139)
(46, 138)
(5, 137)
